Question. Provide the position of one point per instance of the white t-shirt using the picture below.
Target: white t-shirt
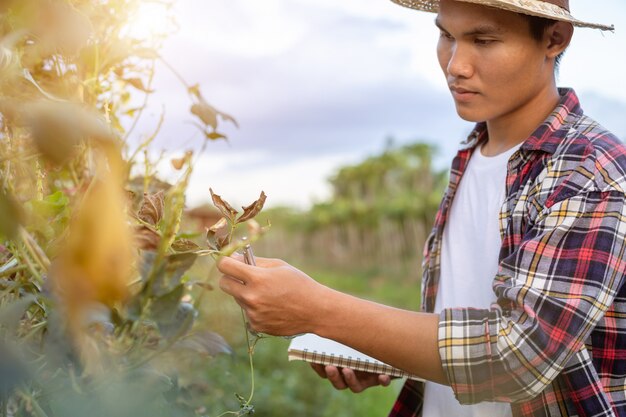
(469, 262)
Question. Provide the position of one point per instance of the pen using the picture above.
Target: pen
(248, 255)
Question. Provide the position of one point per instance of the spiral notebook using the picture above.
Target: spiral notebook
(316, 349)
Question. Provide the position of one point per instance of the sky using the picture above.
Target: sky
(318, 84)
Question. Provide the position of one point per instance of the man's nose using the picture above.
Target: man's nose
(460, 65)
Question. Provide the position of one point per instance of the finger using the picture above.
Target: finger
(231, 286)
(268, 262)
(384, 380)
(236, 269)
(335, 377)
(352, 381)
(319, 369)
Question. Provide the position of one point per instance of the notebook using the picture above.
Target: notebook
(315, 349)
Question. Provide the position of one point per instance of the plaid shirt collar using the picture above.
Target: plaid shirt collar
(543, 138)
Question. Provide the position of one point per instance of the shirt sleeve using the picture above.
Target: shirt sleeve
(551, 292)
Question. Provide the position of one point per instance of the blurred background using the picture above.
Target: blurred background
(316, 84)
(118, 116)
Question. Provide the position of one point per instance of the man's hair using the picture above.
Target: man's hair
(538, 26)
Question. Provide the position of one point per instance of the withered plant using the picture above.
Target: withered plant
(93, 263)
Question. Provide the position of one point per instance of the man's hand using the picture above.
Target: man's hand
(281, 300)
(278, 299)
(356, 381)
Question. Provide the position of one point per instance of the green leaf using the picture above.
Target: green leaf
(147, 263)
(173, 317)
(205, 343)
(179, 263)
(164, 308)
(51, 206)
(184, 245)
(171, 273)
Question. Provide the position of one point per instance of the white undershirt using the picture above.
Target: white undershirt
(469, 261)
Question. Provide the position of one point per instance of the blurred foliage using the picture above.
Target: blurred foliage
(375, 222)
(96, 288)
(398, 184)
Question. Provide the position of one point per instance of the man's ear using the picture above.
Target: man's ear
(558, 37)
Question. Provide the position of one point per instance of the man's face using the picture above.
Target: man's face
(493, 66)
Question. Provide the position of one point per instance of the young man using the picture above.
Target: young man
(524, 302)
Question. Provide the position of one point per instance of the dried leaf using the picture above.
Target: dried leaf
(214, 135)
(131, 112)
(227, 210)
(57, 128)
(194, 90)
(147, 238)
(54, 132)
(138, 84)
(151, 210)
(253, 209)
(178, 163)
(218, 235)
(96, 263)
(206, 113)
(229, 118)
(10, 215)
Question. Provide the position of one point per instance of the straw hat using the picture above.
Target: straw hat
(549, 9)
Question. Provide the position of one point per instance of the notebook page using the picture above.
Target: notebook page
(313, 342)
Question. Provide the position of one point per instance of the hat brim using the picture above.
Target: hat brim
(532, 8)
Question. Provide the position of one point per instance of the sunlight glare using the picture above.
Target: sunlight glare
(151, 20)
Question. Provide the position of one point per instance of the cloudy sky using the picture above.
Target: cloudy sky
(316, 84)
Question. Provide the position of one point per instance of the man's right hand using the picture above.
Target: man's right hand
(356, 381)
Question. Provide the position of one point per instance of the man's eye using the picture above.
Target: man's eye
(446, 35)
(480, 41)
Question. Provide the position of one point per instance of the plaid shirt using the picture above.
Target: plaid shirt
(554, 343)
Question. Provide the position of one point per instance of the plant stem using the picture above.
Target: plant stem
(171, 68)
(35, 250)
(12, 271)
(143, 106)
(250, 353)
